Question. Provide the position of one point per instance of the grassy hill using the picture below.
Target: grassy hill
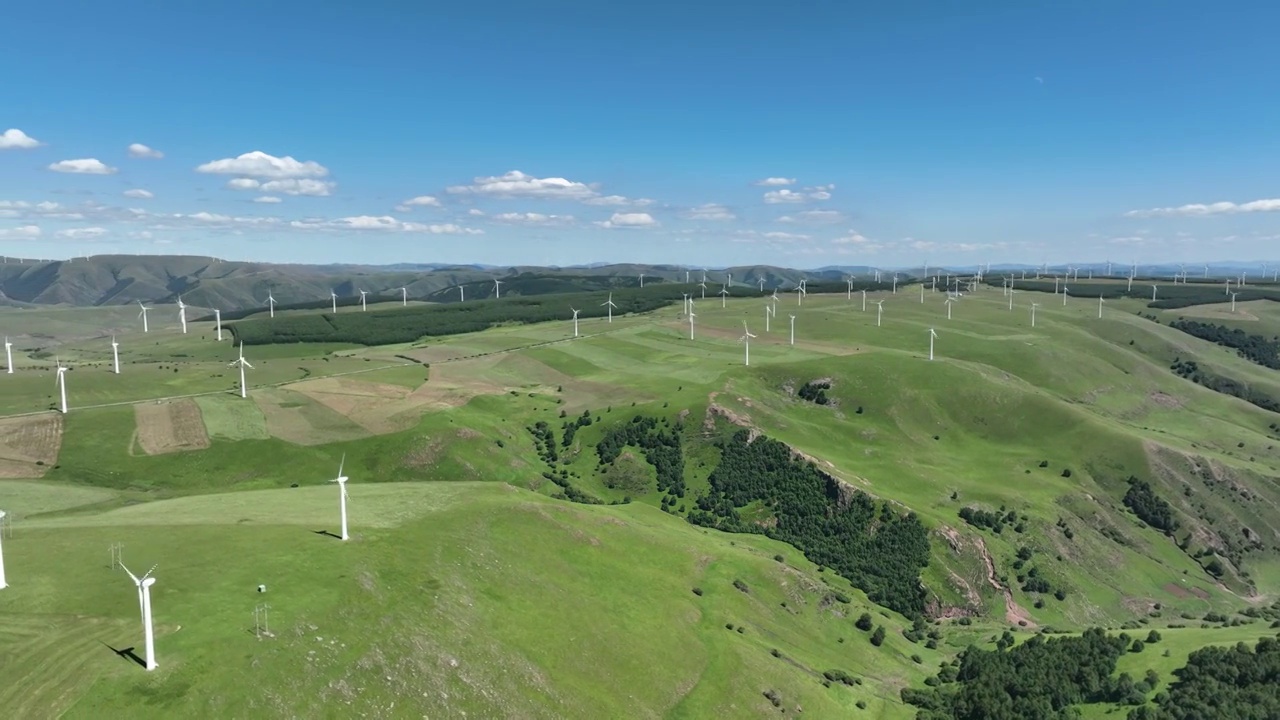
(535, 598)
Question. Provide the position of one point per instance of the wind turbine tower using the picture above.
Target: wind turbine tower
(1100, 301)
(62, 385)
(217, 321)
(724, 293)
(404, 296)
(115, 354)
(144, 584)
(3, 584)
(691, 317)
(8, 355)
(271, 304)
(746, 343)
(609, 304)
(182, 314)
(497, 289)
(1033, 313)
(1153, 293)
(333, 296)
(342, 495)
(793, 329)
(932, 336)
(143, 314)
(363, 306)
(879, 311)
(864, 301)
(244, 390)
(575, 320)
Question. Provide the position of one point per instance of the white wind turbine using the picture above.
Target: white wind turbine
(1233, 301)
(1153, 293)
(62, 384)
(609, 304)
(724, 293)
(767, 315)
(8, 355)
(921, 293)
(404, 296)
(143, 314)
(864, 301)
(3, 584)
(895, 283)
(271, 304)
(800, 293)
(686, 302)
(575, 320)
(932, 336)
(333, 296)
(691, 317)
(879, 311)
(1100, 301)
(1065, 292)
(793, 329)
(746, 343)
(217, 322)
(182, 314)
(244, 390)
(948, 303)
(497, 289)
(641, 281)
(703, 285)
(342, 495)
(848, 293)
(115, 354)
(761, 284)
(1033, 313)
(144, 584)
(1011, 291)
(363, 306)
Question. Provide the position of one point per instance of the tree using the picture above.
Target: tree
(864, 622)
(877, 637)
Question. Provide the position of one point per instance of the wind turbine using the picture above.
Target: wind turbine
(144, 584)
(363, 306)
(1011, 291)
(879, 311)
(497, 289)
(921, 293)
(217, 321)
(848, 293)
(864, 301)
(691, 317)
(271, 304)
(641, 281)
(1153, 293)
(182, 314)
(800, 293)
(761, 284)
(724, 292)
(703, 285)
(404, 296)
(1065, 292)
(115, 354)
(334, 297)
(3, 584)
(932, 335)
(1233, 301)
(686, 303)
(793, 329)
(143, 314)
(609, 304)
(746, 343)
(575, 320)
(948, 303)
(1100, 301)
(767, 314)
(244, 391)
(8, 355)
(1033, 313)
(62, 385)
(342, 494)
(895, 283)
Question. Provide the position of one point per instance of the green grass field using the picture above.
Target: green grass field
(467, 589)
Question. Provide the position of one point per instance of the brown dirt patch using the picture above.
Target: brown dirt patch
(24, 441)
(1165, 400)
(377, 407)
(297, 418)
(1176, 590)
(171, 426)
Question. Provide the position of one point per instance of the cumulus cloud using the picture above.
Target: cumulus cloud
(267, 199)
(618, 201)
(709, 211)
(1218, 208)
(815, 217)
(809, 194)
(139, 193)
(516, 184)
(629, 220)
(84, 166)
(474, 212)
(138, 150)
(858, 241)
(775, 182)
(15, 139)
(88, 233)
(22, 232)
(532, 218)
(258, 164)
(420, 201)
(287, 186)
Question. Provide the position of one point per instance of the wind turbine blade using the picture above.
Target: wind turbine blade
(342, 464)
(153, 569)
(131, 575)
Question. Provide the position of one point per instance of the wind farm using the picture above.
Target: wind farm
(426, 428)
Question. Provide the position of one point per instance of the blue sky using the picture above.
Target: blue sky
(713, 133)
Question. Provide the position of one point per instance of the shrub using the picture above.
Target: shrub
(697, 591)
(877, 637)
(741, 586)
(1153, 637)
(863, 622)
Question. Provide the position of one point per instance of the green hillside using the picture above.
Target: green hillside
(521, 551)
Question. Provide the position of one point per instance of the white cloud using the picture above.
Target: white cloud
(261, 165)
(473, 212)
(1130, 240)
(138, 150)
(267, 199)
(287, 186)
(22, 232)
(1218, 208)
(517, 184)
(709, 211)
(85, 166)
(818, 192)
(784, 236)
(775, 182)
(533, 218)
(814, 217)
(420, 201)
(384, 223)
(89, 233)
(772, 238)
(629, 220)
(15, 139)
(618, 201)
(857, 240)
(139, 193)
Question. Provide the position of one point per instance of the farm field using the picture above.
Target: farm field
(1047, 422)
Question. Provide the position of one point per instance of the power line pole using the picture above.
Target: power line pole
(117, 559)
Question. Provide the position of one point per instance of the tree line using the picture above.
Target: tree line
(1192, 371)
(871, 544)
(1254, 348)
(1238, 682)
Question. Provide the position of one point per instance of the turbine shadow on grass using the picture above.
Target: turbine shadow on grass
(126, 653)
(335, 536)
